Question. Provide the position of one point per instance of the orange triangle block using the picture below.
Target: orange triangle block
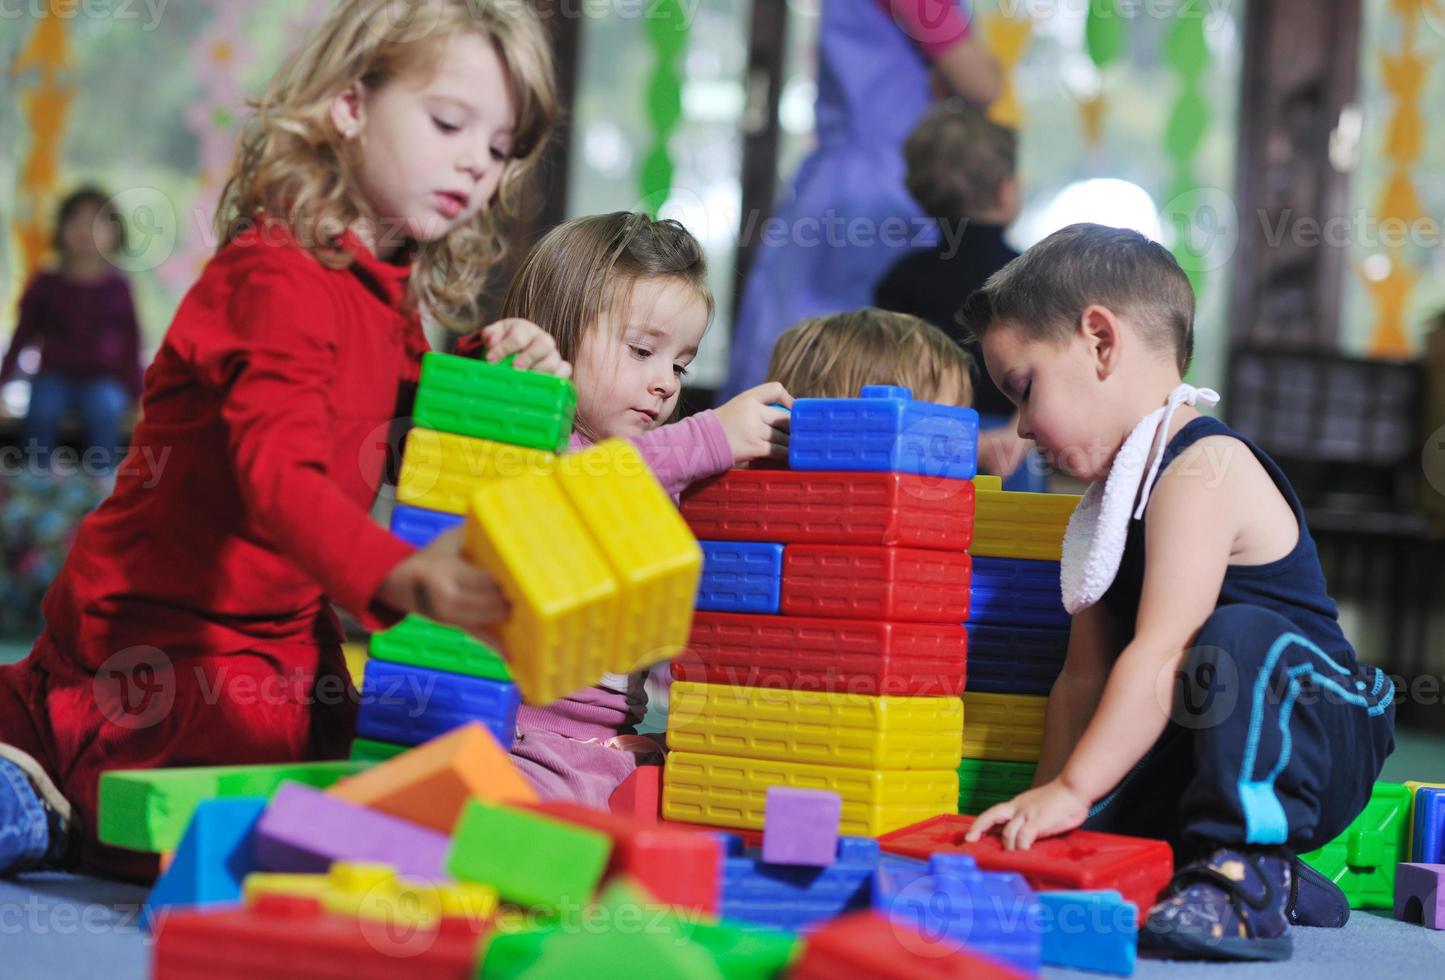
(430, 784)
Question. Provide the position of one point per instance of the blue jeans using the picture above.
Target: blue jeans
(100, 402)
(24, 830)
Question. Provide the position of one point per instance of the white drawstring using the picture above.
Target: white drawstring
(1177, 397)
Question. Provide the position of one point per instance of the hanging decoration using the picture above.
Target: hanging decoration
(667, 29)
(1106, 38)
(1006, 38)
(45, 112)
(1187, 55)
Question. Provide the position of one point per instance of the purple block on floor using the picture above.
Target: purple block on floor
(1420, 894)
(304, 830)
(800, 826)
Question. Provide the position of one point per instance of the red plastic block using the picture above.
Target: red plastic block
(750, 838)
(676, 866)
(833, 508)
(289, 936)
(1081, 860)
(639, 795)
(855, 582)
(868, 946)
(836, 656)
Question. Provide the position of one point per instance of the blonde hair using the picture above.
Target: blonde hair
(293, 166)
(835, 356)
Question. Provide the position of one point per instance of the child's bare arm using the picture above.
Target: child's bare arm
(1076, 692)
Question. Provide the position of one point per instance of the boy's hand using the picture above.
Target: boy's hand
(535, 348)
(439, 583)
(1043, 811)
(756, 428)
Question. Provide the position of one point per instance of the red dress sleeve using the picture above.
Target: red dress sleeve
(935, 25)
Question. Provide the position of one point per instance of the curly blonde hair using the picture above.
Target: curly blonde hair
(292, 164)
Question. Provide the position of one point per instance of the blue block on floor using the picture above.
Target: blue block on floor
(1096, 931)
(1428, 847)
(1016, 592)
(1013, 659)
(213, 857)
(740, 576)
(990, 912)
(410, 705)
(418, 526)
(792, 897)
(884, 430)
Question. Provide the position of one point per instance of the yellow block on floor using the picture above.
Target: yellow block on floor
(1003, 727)
(375, 892)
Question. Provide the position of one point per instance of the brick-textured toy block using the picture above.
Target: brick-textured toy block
(983, 783)
(148, 809)
(378, 893)
(1017, 592)
(834, 655)
(813, 727)
(1420, 894)
(1081, 860)
(213, 856)
(440, 470)
(794, 898)
(869, 946)
(1095, 931)
(1415, 786)
(1428, 826)
(430, 784)
(639, 795)
(305, 830)
(1003, 727)
(1019, 525)
(893, 509)
(1014, 659)
(422, 643)
(1362, 860)
(530, 859)
(864, 582)
(800, 826)
(723, 791)
(884, 429)
(409, 705)
(419, 527)
(740, 577)
(495, 401)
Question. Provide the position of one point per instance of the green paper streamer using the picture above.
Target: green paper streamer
(1187, 55)
(1105, 32)
(667, 29)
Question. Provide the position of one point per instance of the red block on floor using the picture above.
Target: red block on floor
(750, 838)
(639, 795)
(853, 582)
(1081, 860)
(837, 656)
(868, 946)
(832, 508)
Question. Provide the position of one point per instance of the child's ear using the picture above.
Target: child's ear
(1101, 333)
(348, 110)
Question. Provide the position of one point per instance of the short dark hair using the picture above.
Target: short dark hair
(957, 160)
(1045, 290)
(93, 197)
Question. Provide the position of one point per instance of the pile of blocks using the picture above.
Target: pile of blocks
(828, 650)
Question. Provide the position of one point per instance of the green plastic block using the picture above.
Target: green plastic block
(985, 782)
(148, 809)
(374, 751)
(422, 643)
(511, 954)
(1362, 859)
(469, 397)
(530, 859)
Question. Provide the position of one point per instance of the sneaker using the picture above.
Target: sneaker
(1315, 900)
(63, 824)
(1229, 906)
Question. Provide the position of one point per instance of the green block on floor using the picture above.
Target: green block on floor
(469, 397)
(1362, 860)
(373, 751)
(983, 783)
(148, 809)
(422, 643)
(530, 859)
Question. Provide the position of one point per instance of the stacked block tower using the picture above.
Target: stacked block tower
(828, 650)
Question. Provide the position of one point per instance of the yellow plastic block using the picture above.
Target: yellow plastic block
(722, 791)
(649, 548)
(1003, 727)
(564, 599)
(854, 730)
(375, 892)
(1019, 525)
(355, 654)
(440, 470)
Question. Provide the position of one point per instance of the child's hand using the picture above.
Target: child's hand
(1043, 811)
(755, 426)
(439, 583)
(535, 348)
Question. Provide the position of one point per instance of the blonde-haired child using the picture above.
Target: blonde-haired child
(192, 623)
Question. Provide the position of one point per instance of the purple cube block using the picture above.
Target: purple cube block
(1420, 894)
(800, 826)
(304, 830)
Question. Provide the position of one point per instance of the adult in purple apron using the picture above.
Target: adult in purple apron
(850, 218)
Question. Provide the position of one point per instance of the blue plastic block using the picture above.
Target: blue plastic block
(410, 705)
(213, 857)
(740, 576)
(1428, 847)
(1096, 931)
(1014, 660)
(1016, 592)
(418, 526)
(884, 430)
(792, 897)
(990, 912)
